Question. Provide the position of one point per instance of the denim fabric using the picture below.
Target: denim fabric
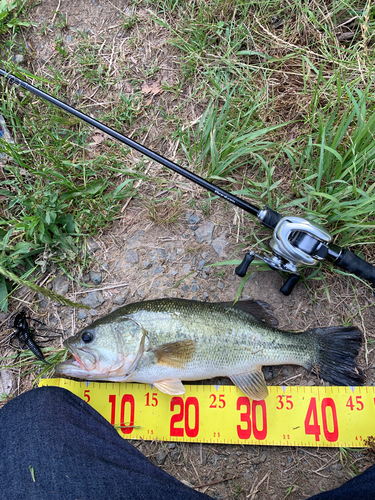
(77, 455)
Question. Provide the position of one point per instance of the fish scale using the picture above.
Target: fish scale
(165, 341)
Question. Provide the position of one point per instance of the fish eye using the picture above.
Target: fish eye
(87, 337)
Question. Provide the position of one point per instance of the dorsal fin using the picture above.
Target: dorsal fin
(260, 311)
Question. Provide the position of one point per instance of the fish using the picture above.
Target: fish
(163, 342)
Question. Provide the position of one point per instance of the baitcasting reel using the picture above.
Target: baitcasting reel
(299, 242)
(295, 242)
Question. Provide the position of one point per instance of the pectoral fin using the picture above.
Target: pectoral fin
(252, 384)
(171, 386)
(175, 354)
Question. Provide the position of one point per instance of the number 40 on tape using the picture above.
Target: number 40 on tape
(293, 416)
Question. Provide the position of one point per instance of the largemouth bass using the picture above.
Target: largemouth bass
(165, 341)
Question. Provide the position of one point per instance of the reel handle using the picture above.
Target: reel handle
(290, 283)
(241, 270)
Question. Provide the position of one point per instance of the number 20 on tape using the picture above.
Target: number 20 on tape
(294, 416)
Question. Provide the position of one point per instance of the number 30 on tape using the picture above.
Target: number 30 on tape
(294, 416)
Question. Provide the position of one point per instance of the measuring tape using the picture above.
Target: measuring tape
(290, 416)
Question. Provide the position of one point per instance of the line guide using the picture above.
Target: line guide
(289, 416)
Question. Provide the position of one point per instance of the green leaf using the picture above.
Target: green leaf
(39, 289)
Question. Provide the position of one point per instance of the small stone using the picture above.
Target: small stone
(161, 457)
(60, 285)
(69, 38)
(104, 266)
(92, 245)
(289, 458)
(201, 264)
(205, 232)
(93, 312)
(119, 34)
(186, 268)
(147, 265)
(171, 257)
(219, 245)
(133, 241)
(268, 372)
(18, 59)
(132, 257)
(192, 219)
(158, 269)
(185, 288)
(180, 252)
(263, 457)
(194, 288)
(172, 446)
(93, 300)
(157, 283)
(174, 455)
(205, 296)
(7, 383)
(96, 277)
(162, 255)
(82, 314)
(121, 297)
(221, 285)
(86, 278)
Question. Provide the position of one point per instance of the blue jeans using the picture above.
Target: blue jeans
(73, 453)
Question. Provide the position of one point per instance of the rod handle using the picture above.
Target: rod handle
(350, 262)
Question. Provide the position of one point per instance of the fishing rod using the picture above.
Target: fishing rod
(295, 242)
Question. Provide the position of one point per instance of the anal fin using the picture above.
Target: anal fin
(252, 384)
(170, 386)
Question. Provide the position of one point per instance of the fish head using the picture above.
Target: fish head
(104, 350)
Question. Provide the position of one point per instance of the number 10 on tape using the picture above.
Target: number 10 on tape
(294, 416)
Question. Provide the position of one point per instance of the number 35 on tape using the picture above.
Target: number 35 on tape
(294, 416)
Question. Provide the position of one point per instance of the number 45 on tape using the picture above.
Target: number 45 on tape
(294, 416)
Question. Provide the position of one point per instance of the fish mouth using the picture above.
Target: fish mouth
(85, 361)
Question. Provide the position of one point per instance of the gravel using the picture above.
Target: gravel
(93, 300)
(205, 232)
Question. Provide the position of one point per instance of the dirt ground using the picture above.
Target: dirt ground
(141, 258)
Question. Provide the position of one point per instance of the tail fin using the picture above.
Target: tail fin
(337, 348)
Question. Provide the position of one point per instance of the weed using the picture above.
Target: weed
(226, 139)
(165, 210)
(10, 15)
(130, 21)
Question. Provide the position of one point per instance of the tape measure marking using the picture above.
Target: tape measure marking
(290, 416)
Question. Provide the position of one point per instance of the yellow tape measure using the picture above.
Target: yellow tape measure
(292, 416)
